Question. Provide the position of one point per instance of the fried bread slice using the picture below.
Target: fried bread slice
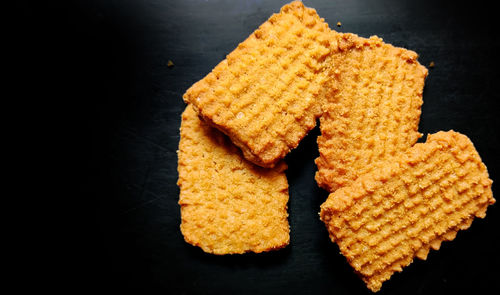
(372, 110)
(228, 205)
(266, 95)
(400, 211)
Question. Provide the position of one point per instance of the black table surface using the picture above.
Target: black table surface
(133, 102)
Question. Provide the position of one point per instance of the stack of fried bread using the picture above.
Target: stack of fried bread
(391, 199)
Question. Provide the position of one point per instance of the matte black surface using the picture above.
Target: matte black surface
(131, 105)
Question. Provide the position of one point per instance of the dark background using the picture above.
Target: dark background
(121, 116)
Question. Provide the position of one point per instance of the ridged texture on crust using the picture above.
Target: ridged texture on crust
(228, 205)
(266, 94)
(372, 110)
(398, 212)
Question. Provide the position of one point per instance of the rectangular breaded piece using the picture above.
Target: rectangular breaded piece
(266, 94)
(372, 110)
(402, 210)
(228, 205)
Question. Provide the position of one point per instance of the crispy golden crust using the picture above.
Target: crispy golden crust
(372, 111)
(398, 212)
(228, 205)
(266, 94)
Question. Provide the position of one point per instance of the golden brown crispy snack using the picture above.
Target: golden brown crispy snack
(266, 94)
(372, 111)
(398, 212)
(228, 205)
